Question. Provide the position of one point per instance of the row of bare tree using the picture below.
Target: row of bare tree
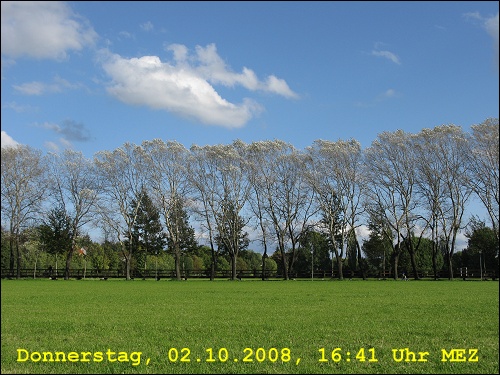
(403, 185)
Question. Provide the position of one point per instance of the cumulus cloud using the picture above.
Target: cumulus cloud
(42, 30)
(7, 140)
(215, 70)
(184, 86)
(363, 232)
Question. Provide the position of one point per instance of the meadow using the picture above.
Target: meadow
(201, 326)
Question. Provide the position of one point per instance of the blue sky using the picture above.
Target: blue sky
(93, 75)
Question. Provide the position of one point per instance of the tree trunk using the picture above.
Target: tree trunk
(434, 251)
(177, 254)
(452, 251)
(212, 270)
(291, 262)
(213, 266)
(450, 267)
(285, 265)
(69, 256)
(395, 262)
(19, 259)
(361, 261)
(434, 261)
(414, 265)
(233, 267)
(127, 268)
(339, 265)
(396, 251)
(264, 256)
(413, 262)
(12, 257)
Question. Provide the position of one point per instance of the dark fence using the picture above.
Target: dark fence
(137, 274)
(462, 273)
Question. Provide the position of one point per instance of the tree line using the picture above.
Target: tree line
(304, 207)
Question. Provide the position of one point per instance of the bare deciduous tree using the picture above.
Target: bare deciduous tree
(223, 188)
(335, 176)
(444, 182)
(408, 183)
(281, 181)
(232, 192)
(484, 167)
(203, 177)
(24, 185)
(168, 180)
(390, 170)
(122, 176)
(453, 149)
(256, 157)
(431, 185)
(75, 188)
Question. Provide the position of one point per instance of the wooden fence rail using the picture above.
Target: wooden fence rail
(246, 274)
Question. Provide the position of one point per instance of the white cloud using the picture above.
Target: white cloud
(184, 86)
(390, 93)
(388, 55)
(387, 94)
(215, 70)
(147, 26)
(363, 233)
(462, 242)
(491, 26)
(473, 15)
(126, 34)
(42, 30)
(279, 86)
(39, 88)
(7, 140)
(52, 146)
(18, 107)
(60, 144)
(65, 143)
(180, 53)
(33, 88)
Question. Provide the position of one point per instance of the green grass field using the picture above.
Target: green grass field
(198, 326)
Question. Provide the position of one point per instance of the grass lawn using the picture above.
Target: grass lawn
(198, 326)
